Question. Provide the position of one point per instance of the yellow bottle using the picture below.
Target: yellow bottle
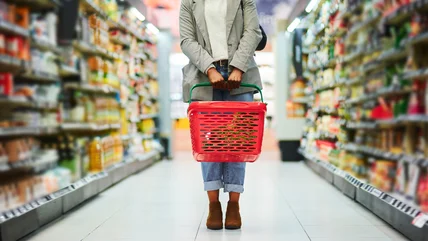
(96, 155)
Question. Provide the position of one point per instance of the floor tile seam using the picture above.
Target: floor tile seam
(289, 206)
(392, 229)
(200, 223)
(103, 222)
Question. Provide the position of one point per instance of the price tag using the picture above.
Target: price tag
(79, 183)
(34, 204)
(88, 179)
(9, 214)
(340, 173)
(392, 201)
(420, 220)
(376, 192)
(22, 210)
(2, 218)
(28, 207)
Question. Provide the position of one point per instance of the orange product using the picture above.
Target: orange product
(96, 155)
(2, 44)
(11, 12)
(22, 16)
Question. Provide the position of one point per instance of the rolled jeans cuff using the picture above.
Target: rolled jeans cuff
(213, 185)
(233, 188)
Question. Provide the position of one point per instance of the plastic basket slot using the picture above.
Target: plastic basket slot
(248, 145)
(204, 122)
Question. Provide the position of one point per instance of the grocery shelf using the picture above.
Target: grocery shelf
(67, 71)
(325, 135)
(354, 81)
(11, 28)
(44, 45)
(362, 25)
(384, 92)
(89, 6)
(401, 120)
(393, 55)
(40, 4)
(371, 151)
(375, 66)
(404, 12)
(22, 101)
(103, 89)
(28, 131)
(36, 164)
(149, 116)
(10, 64)
(360, 125)
(40, 76)
(355, 55)
(416, 74)
(383, 154)
(91, 49)
(395, 211)
(326, 110)
(88, 127)
(421, 38)
(21, 221)
(301, 100)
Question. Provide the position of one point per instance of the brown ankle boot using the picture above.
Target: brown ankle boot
(215, 216)
(233, 217)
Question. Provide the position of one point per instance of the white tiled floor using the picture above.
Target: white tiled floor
(282, 201)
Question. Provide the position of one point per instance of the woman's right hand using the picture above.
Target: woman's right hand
(216, 79)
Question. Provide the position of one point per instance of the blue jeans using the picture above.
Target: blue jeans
(227, 175)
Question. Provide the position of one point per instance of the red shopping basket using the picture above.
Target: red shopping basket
(226, 131)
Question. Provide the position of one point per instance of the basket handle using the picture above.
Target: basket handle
(207, 84)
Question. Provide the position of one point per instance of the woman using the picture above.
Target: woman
(220, 37)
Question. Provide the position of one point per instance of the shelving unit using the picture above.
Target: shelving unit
(367, 124)
(65, 130)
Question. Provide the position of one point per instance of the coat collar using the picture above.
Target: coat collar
(199, 13)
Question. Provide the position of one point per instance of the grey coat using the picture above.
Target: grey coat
(243, 35)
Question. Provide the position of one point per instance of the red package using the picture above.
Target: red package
(6, 84)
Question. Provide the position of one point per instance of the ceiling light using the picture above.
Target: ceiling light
(137, 14)
(311, 5)
(293, 25)
(152, 28)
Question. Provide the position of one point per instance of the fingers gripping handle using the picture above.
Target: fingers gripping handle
(207, 84)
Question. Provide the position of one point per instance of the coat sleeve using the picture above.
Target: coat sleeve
(189, 45)
(250, 38)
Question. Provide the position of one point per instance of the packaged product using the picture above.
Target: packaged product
(6, 84)
(22, 16)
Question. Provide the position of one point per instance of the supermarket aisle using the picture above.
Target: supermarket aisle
(283, 201)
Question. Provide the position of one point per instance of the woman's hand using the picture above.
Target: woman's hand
(235, 78)
(216, 79)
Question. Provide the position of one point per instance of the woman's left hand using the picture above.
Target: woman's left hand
(235, 78)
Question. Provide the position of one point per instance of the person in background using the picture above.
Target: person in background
(220, 38)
